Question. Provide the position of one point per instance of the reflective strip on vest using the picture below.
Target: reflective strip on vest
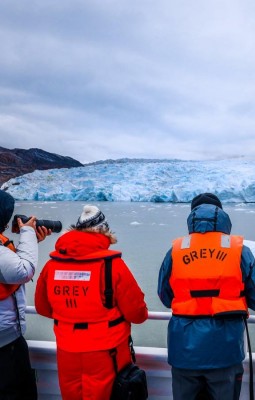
(225, 241)
(206, 276)
(186, 242)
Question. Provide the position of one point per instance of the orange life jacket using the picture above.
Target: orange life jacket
(7, 289)
(206, 275)
(76, 293)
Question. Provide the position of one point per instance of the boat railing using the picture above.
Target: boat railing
(152, 359)
(156, 315)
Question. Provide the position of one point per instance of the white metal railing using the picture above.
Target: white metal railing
(156, 315)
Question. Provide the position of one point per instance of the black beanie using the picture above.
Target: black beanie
(205, 198)
(6, 209)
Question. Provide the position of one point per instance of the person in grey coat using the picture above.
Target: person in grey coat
(17, 267)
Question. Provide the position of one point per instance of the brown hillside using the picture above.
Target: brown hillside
(18, 162)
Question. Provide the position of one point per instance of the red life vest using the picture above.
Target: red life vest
(206, 275)
(75, 290)
(7, 289)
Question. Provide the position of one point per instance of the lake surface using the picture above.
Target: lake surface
(145, 232)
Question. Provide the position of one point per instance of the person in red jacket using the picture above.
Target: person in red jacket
(90, 319)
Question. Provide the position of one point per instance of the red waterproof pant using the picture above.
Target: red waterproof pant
(89, 375)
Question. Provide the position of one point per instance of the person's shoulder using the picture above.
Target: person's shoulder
(119, 264)
(5, 251)
(248, 255)
(250, 245)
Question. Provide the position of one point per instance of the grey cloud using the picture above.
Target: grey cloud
(114, 79)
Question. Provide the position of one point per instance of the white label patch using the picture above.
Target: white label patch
(72, 275)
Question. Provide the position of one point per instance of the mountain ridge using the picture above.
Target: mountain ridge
(16, 162)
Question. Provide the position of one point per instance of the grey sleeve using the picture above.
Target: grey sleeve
(20, 267)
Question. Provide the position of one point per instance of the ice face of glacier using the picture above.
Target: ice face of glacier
(150, 181)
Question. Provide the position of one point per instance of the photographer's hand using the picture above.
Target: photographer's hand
(42, 232)
(31, 222)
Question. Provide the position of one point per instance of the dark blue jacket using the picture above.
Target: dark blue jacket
(206, 343)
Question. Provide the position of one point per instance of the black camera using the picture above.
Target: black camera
(55, 226)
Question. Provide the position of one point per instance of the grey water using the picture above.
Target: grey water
(144, 232)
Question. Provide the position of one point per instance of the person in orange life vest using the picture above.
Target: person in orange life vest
(17, 267)
(70, 289)
(208, 279)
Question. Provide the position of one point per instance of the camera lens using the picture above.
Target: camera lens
(55, 226)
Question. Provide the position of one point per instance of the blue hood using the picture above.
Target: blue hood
(208, 218)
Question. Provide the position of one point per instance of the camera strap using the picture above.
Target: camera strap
(113, 353)
(250, 359)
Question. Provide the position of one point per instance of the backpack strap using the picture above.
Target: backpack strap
(108, 292)
(4, 241)
(8, 242)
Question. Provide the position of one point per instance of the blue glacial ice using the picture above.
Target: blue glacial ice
(139, 180)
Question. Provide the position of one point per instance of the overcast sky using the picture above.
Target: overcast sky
(99, 79)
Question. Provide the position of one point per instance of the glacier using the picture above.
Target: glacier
(175, 181)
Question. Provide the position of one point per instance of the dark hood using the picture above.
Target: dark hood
(6, 209)
(209, 218)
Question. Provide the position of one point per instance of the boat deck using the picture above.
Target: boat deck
(152, 359)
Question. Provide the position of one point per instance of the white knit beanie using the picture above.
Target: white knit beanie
(93, 219)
